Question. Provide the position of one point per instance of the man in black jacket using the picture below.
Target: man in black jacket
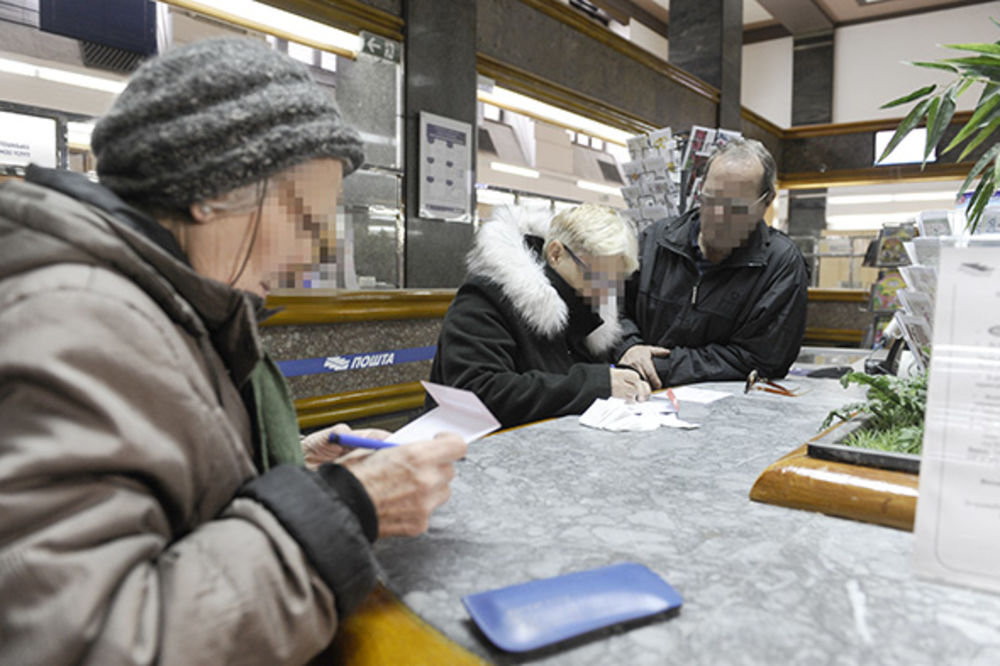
(718, 293)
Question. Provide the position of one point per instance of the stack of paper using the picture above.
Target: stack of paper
(617, 414)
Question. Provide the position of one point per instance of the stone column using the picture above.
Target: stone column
(706, 40)
(812, 103)
(440, 71)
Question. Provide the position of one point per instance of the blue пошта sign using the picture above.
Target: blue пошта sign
(344, 362)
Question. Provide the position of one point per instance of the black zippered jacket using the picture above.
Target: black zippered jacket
(517, 335)
(747, 312)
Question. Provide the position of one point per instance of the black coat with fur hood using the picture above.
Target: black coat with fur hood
(517, 335)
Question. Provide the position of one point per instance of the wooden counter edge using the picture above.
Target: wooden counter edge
(383, 630)
(860, 493)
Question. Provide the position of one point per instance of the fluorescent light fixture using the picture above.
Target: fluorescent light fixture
(925, 196)
(508, 99)
(273, 21)
(514, 170)
(872, 222)
(909, 151)
(903, 197)
(494, 197)
(78, 134)
(62, 76)
(849, 199)
(597, 187)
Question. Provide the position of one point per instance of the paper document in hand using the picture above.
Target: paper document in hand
(458, 411)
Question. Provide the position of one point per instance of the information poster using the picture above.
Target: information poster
(958, 511)
(27, 139)
(445, 168)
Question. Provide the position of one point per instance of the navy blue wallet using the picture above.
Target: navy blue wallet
(541, 612)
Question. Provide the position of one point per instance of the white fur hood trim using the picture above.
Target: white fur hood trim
(501, 256)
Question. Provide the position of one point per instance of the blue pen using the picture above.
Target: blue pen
(356, 442)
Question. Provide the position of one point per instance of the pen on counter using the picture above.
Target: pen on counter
(357, 442)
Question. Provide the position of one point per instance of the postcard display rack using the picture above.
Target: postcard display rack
(907, 256)
(665, 170)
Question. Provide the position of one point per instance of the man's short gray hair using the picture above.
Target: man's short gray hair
(740, 150)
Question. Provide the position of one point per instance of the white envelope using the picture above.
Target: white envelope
(458, 411)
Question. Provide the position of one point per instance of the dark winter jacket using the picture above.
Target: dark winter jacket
(747, 312)
(517, 335)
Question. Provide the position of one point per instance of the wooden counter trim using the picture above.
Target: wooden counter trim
(524, 82)
(838, 295)
(338, 407)
(384, 631)
(816, 334)
(350, 14)
(858, 127)
(762, 122)
(352, 306)
(874, 175)
(860, 493)
(580, 23)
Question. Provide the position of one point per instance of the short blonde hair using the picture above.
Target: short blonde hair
(595, 230)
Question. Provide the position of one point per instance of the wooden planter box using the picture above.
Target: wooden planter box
(869, 494)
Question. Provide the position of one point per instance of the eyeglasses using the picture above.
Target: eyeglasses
(735, 206)
(594, 277)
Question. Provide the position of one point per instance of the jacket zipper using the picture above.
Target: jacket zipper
(694, 291)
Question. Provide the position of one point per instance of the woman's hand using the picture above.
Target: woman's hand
(318, 450)
(406, 483)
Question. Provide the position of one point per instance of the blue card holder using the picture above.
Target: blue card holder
(535, 614)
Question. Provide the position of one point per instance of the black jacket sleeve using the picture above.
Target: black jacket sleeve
(768, 339)
(479, 352)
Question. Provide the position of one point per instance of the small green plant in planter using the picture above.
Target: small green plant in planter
(894, 412)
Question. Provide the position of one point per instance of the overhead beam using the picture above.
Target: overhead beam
(800, 17)
(623, 10)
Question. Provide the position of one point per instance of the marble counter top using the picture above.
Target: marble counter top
(761, 584)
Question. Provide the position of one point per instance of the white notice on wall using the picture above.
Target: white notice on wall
(958, 512)
(445, 168)
(25, 139)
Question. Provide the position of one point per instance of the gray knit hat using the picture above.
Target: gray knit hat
(212, 116)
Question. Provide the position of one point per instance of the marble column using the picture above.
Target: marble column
(812, 103)
(812, 79)
(706, 40)
(440, 71)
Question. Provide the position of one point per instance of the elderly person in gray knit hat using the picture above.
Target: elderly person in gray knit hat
(154, 502)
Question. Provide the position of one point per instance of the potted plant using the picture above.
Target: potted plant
(935, 106)
(885, 430)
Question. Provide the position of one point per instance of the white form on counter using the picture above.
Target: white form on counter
(957, 528)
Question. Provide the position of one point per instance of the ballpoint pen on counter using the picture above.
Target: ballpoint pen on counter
(356, 442)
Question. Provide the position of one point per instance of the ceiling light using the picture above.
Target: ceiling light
(597, 187)
(512, 101)
(848, 199)
(514, 170)
(273, 21)
(62, 76)
(925, 196)
(865, 222)
(494, 197)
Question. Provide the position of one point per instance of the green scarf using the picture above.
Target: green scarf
(276, 424)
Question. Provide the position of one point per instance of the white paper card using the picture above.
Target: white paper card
(957, 532)
(617, 414)
(458, 411)
(692, 394)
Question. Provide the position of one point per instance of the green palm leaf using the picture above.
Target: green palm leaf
(909, 122)
(916, 94)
